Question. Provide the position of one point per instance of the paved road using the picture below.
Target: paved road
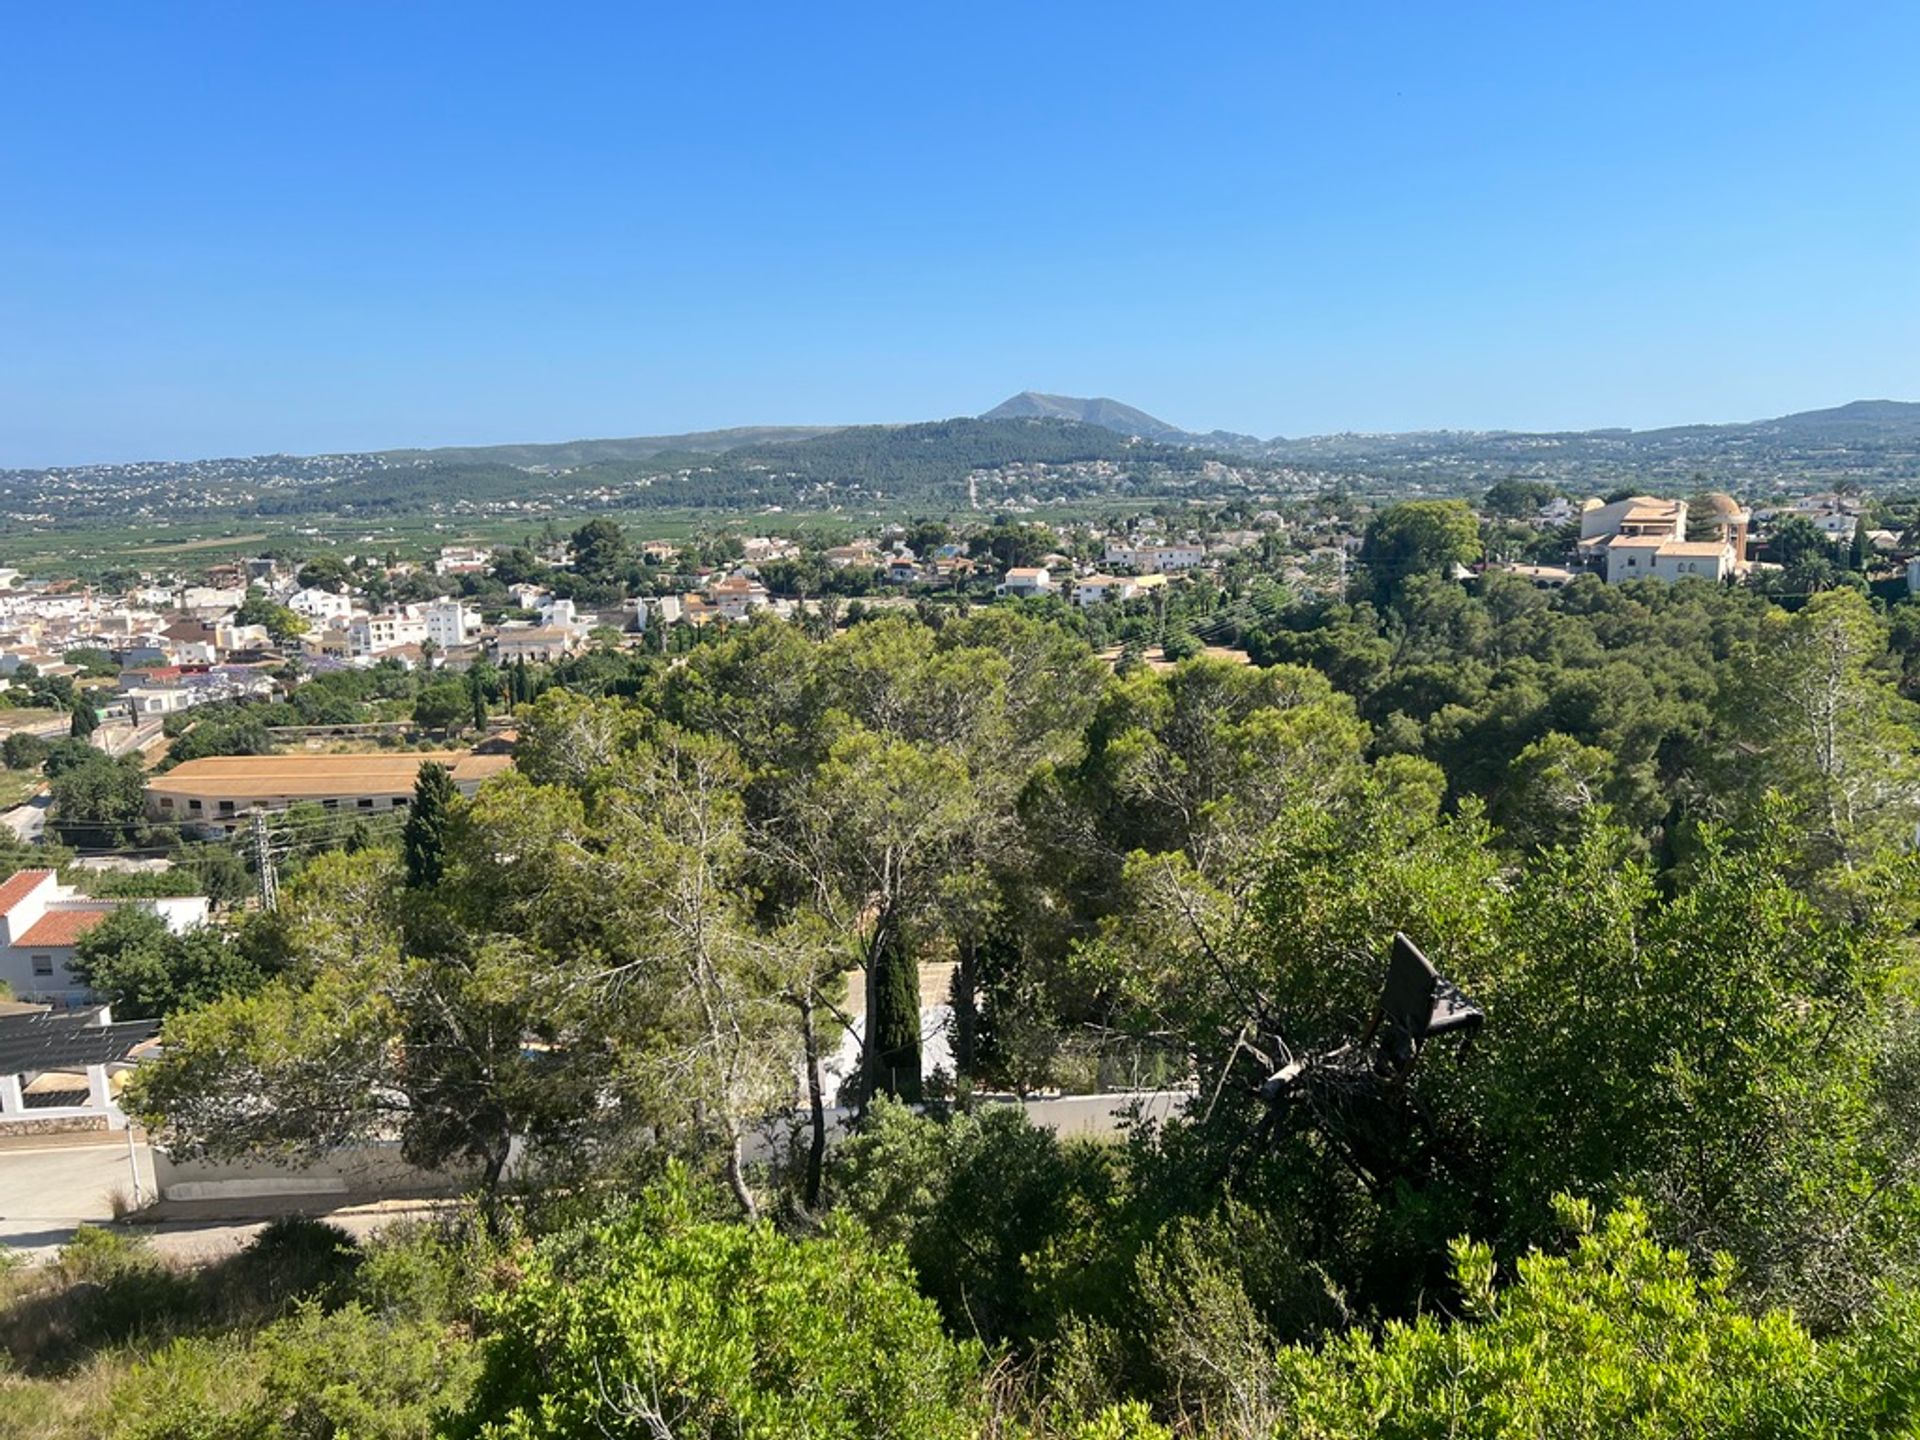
(29, 821)
(48, 1191)
(121, 738)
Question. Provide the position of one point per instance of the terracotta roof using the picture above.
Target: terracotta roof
(296, 776)
(62, 927)
(19, 885)
(1694, 547)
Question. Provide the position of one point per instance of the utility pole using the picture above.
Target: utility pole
(133, 1166)
(263, 862)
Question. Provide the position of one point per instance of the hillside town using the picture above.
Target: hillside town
(194, 636)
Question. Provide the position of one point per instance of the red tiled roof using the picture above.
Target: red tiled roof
(18, 886)
(62, 927)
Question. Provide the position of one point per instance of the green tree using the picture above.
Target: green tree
(443, 705)
(424, 837)
(1517, 499)
(1419, 537)
(1810, 713)
(24, 751)
(99, 801)
(144, 970)
(219, 730)
(600, 549)
(1796, 540)
(356, 1037)
(282, 624)
(326, 572)
(658, 1324)
(1620, 1337)
(85, 719)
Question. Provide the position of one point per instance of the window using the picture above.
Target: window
(364, 804)
(43, 965)
(193, 804)
(330, 804)
(226, 807)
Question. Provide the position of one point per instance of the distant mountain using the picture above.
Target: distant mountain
(1862, 421)
(1036, 448)
(1107, 414)
(572, 453)
(1112, 415)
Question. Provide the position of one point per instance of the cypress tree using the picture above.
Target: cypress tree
(84, 721)
(424, 840)
(895, 1041)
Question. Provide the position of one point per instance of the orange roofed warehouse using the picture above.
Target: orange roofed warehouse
(222, 790)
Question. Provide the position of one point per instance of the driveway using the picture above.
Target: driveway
(48, 1190)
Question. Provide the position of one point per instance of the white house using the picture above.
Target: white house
(376, 634)
(1156, 558)
(451, 624)
(1027, 580)
(1638, 516)
(737, 595)
(538, 644)
(1095, 589)
(42, 922)
(1633, 557)
(228, 636)
(317, 604)
(462, 560)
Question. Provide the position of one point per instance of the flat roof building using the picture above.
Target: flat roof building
(221, 790)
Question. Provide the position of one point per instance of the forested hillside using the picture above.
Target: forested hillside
(1660, 836)
(906, 467)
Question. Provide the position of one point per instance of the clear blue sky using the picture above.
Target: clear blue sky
(270, 226)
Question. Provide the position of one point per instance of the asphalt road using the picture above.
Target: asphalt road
(49, 1190)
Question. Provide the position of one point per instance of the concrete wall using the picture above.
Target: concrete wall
(360, 1173)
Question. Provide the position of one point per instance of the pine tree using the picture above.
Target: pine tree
(424, 840)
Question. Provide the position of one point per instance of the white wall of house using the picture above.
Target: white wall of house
(41, 971)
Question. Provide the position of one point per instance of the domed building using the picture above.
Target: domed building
(1732, 523)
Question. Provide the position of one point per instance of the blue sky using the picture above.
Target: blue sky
(234, 229)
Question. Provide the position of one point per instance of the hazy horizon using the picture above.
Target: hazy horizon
(629, 433)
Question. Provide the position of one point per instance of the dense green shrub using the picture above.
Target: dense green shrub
(662, 1324)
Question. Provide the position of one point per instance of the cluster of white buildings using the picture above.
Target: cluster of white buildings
(1146, 562)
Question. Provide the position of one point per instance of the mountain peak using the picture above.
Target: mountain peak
(1107, 414)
